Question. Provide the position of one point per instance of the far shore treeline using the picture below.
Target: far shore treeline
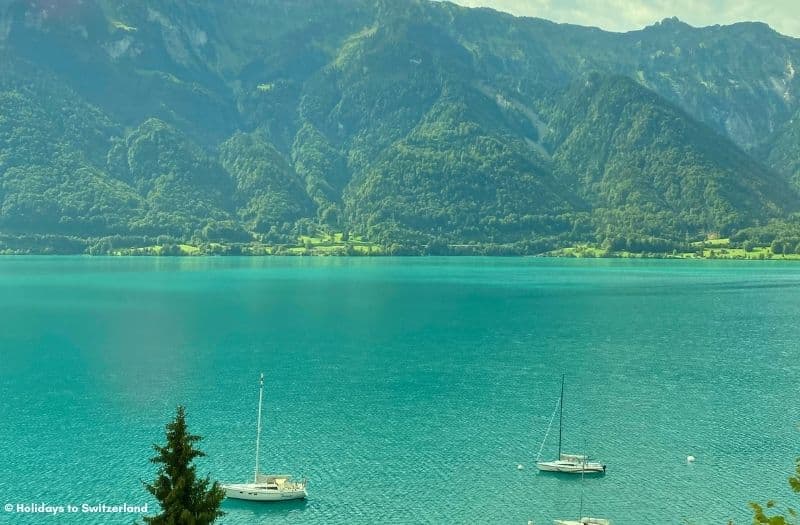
(338, 244)
(402, 127)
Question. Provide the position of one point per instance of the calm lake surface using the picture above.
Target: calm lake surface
(406, 389)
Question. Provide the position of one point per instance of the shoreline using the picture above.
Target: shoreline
(336, 245)
(654, 256)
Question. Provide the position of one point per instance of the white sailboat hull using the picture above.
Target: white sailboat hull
(253, 492)
(583, 521)
(571, 467)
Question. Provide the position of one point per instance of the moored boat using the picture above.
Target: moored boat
(275, 487)
(266, 487)
(566, 463)
(572, 464)
(583, 521)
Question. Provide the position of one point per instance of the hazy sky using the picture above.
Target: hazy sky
(624, 15)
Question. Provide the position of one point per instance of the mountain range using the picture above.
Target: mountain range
(406, 123)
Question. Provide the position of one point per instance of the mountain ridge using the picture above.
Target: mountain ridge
(405, 123)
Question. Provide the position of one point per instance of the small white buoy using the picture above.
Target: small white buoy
(520, 467)
(690, 459)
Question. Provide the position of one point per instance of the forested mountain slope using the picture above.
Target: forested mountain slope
(405, 123)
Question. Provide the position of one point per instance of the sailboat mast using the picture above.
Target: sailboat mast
(258, 431)
(560, 416)
(580, 514)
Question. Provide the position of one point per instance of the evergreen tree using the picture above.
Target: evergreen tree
(184, 499)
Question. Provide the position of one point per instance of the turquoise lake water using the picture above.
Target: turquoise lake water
(406, 390)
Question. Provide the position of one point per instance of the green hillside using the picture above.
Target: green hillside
(411, 126)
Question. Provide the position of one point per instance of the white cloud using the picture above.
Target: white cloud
(627, 15)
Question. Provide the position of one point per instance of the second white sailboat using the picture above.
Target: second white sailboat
(266, 487)
(566, 463)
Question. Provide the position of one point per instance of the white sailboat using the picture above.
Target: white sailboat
(266, 487)
(566, 463)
